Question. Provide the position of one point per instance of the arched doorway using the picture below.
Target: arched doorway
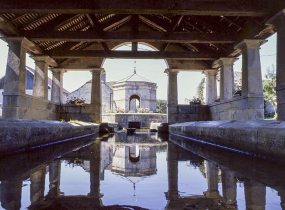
(134, 103)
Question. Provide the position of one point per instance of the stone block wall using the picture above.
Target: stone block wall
(76, 112)
(123, 118)
(239, 108)
(187, 113)
(23, 106)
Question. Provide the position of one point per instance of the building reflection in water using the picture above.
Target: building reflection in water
(134, 158)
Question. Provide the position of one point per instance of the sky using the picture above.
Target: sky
(151, 69)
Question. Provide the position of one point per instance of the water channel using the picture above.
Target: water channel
(141, 171)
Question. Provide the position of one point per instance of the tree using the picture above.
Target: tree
(269, 84)
(161, 106)
(200, 90)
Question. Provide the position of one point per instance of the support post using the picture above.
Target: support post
(40, 87)
(54, 178)
(255, 194)
(212, 177)
(229, 188)
(172, 95)
(11, 194)
(226, 77)
(96, 95)
(37, 189)
(211, 85)
(277, 22)
(57, 85)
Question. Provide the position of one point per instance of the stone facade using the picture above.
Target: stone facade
(121, 95)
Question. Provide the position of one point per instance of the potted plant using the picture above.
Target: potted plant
(195, 101)
(76, 101)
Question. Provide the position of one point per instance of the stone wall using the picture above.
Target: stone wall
(23, 106)
(239, 108)
(76, 112)
(187, 113)
(123, 118)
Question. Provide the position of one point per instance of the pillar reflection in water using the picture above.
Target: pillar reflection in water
(37, 188)
(11, 193)
(95, 163)
(281, 193)
(54, 178)
(229, 187)
(172, 170)
(212, 176)
(254, 195)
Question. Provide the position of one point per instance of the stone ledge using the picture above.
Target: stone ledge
(17, 134)
(260, 137)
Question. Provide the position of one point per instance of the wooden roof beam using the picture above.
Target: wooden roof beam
(131, 55)
(190, 7)
(122, 36)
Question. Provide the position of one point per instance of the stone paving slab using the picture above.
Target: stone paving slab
(259, 137)
(18, 134)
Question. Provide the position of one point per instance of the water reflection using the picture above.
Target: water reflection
(158, 171)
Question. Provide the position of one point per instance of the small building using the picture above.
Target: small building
(125, 95)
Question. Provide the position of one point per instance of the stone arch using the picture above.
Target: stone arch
(132, 157)
(132, 97)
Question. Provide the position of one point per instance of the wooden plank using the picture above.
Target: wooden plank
(131, 55)
(170, 37)
(189, 7)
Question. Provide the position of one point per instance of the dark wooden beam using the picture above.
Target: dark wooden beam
(189, 7)
(7, 28)
(131, 55)
(171, 37)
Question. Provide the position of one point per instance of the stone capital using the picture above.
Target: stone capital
(171, 71)
(97, 70)
(210, 72)
(57, 70)
(252, 44)
(46, 59)
(225, 61)
(23, 42)
(277, 20)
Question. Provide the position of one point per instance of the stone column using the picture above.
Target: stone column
(277, 22)
(229, 187)
(96, 95)
(172, 95)
(54, 178)
(212, 180)
(40, 87)
(172, 171)
(255, 194)
(11, 194)
(37, 188)
(95, 164)
(57, 85)
(226, 77)
(211, 85)
(251, 67)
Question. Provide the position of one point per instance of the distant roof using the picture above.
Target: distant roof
(29, 80)
(134, 78)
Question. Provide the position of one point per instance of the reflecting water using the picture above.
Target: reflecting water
(139, 171)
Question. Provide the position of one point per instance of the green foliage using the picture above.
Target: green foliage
(200, 90)
(269, 84)
(62, 120)
(161, 106)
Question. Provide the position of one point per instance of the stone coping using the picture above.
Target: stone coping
(235, 99)
(265, 138)
(133, 114)
(19, 134)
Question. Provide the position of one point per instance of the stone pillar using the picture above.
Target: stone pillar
(37, 188)
(277, 22)
(212, 180)
(255, 194)
(251, 67)
(226, 77)
(96, 95)
(172, 171)
(57, 85)
(229, 187)
(11, 194)
(95, 164)
(172, 95)
(211, 85)
(54, 178)
(40, 87)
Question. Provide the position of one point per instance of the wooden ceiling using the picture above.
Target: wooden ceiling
(181, 30)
